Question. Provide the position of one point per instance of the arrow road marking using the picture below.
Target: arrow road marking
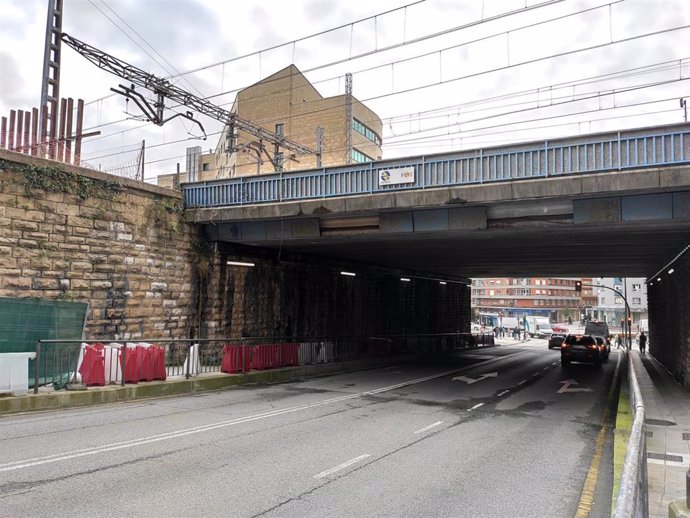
(469, 381)
(566, 387)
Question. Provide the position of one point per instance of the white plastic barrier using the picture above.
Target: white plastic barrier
(194, 367)
(14, 372)
(316, 352)
(112, 369)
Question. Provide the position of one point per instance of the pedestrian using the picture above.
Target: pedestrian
(643, 342)
(619, 341)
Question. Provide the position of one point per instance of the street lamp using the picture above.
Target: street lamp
(628, 319)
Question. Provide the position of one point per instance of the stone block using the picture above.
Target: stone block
(25, 225)
(45, 284)
(16, 282)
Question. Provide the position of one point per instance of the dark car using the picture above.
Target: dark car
(555, 340)
(580, 348)
(604, 347)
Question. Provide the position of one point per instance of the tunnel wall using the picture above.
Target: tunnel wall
(291, 295)
(669, 319)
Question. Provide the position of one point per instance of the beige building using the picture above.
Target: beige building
(287, 104)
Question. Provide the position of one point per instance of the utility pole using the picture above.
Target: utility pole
(319, 146)
(50, 87)
(142, 161)
(348, 116)
(684, 105)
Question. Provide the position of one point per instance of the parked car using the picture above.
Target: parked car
(580, 348)
(555, 340)
(560, 329)
(604, 347)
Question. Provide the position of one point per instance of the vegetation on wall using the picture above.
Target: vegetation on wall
(52, 179)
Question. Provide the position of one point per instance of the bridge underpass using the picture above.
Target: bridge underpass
(615, 221)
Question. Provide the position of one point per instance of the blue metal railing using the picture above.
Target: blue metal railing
(661, 146)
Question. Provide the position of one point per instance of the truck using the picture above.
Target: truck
(538, 326)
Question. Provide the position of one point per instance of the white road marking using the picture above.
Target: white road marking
(545, 369)
(469, 381)
(476, 406)
(426, 428)
(502, 393)
(342, 466)
(566, 387)
(38, 461)
(535, 374)
(522, 382)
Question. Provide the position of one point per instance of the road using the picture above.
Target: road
(494, 432)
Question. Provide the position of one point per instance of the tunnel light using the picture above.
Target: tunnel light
(442, 282)
(671, 271)
(239, 263)
(404, 279)
(658, 279)
(348, 274)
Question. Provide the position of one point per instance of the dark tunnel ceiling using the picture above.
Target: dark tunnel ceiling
(623, 250)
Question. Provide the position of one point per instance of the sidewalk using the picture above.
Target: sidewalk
(667, 426)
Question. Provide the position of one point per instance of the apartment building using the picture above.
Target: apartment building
(556, 298)
(611, 299)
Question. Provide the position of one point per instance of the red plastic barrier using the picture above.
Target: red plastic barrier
(144, 363)
(92, 368)
(158, 362)
(130, 372)
(235, 359)
(289, 354)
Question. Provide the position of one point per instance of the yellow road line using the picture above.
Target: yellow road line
(584, 506)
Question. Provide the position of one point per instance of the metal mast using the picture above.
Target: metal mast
(348, 115)
(163, 89)
(50, 88)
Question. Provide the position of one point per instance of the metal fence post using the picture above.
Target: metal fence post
(189, 357)
(36, 365)
(124, 362)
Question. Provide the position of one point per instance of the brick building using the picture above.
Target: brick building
(287, 104)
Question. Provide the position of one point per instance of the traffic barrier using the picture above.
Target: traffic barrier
(144, 363)
(158, 362)
(316, 352)
(92, 368)
(379, 346)
(236, 358)
(128, 362)
(290, 354)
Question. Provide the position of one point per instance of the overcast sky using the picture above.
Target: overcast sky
(521, 76)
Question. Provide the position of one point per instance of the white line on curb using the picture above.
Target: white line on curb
(341, 466)
(522, 382)
(476, 406)
(422, 430)
(502, 393)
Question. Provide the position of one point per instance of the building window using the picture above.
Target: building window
(360, 157)
(618, 300)
(204, 167)
(636, 287)
(637, 300)
(366, 131)
(280, 130)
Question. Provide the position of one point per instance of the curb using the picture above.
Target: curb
(621, 437)
(203, 383)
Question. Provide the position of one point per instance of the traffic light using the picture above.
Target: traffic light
(578, 286)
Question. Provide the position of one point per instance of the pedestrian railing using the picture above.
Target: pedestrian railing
(103, 362)
(615, 151)
(632, 501)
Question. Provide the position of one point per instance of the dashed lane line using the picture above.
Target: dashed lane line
(427, 428)
(341, 466)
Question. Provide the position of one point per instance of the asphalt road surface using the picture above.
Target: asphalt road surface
(496, 432)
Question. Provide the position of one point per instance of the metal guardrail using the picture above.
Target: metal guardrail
(59, 362)
(632, 500)
(665, 145)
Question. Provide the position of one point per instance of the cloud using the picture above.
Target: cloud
(13, 90)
